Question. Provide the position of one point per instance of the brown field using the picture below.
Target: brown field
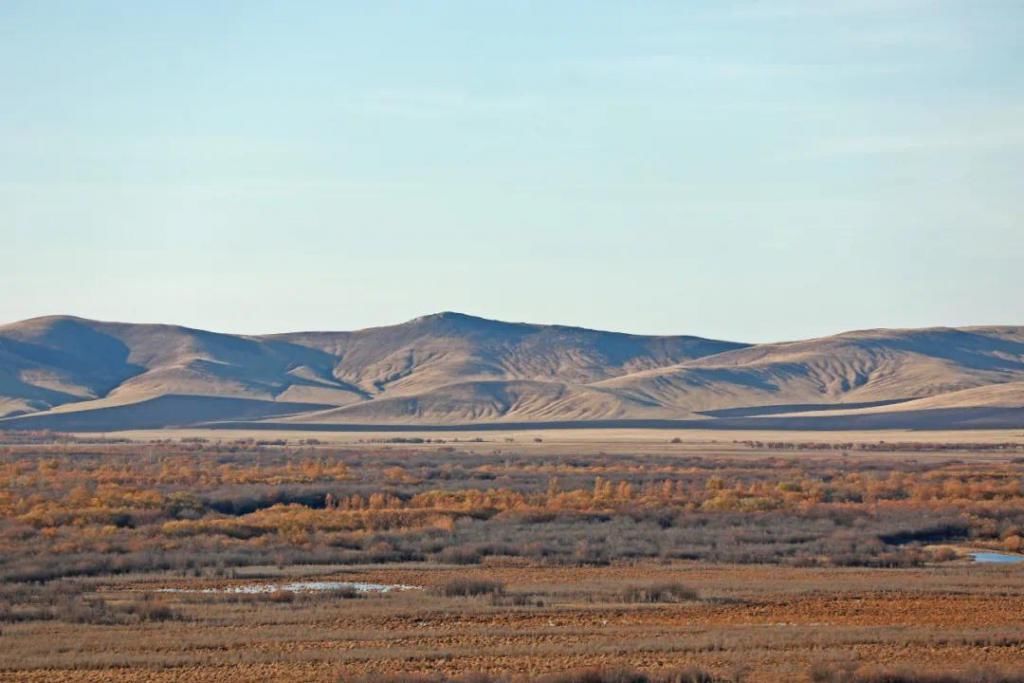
(755, 558)
(761, 622)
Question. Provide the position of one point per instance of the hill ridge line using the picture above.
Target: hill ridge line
(455, 368)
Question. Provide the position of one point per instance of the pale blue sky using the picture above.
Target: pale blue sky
(744, 170)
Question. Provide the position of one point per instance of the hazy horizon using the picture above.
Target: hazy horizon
(747, 171)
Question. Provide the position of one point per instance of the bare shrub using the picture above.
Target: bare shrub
(688, 675)
(660, 592)
(149, 608)
(424, 678)
(825, 674)
(460, 556)
(281, 596)
(79, 610)
(945, 555)
(341, 593)
(516, 600)
(461, 588)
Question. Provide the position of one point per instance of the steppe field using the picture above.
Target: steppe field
(550, 555)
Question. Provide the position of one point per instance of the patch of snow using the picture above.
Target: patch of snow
(298, 587)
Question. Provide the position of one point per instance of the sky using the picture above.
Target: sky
(746, 170)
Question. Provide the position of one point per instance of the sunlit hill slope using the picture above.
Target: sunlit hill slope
(450, 369)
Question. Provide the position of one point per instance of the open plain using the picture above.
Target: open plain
(764, 557)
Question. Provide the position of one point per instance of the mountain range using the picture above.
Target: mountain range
(451, 370)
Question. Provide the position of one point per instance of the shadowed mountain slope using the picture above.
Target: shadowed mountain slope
(455, 369)
(60, 361)
(874, 366)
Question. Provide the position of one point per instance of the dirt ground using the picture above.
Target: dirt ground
(757, 623)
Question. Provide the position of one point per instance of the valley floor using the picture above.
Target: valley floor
(756, 556)
(760, 623)
(590, 440)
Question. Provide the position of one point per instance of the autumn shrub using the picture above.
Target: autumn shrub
(199, 506)
(149, 608)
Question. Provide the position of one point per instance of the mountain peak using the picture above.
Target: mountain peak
(449, 315)
(456, 320)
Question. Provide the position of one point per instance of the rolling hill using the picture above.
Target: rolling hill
(450, 369)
